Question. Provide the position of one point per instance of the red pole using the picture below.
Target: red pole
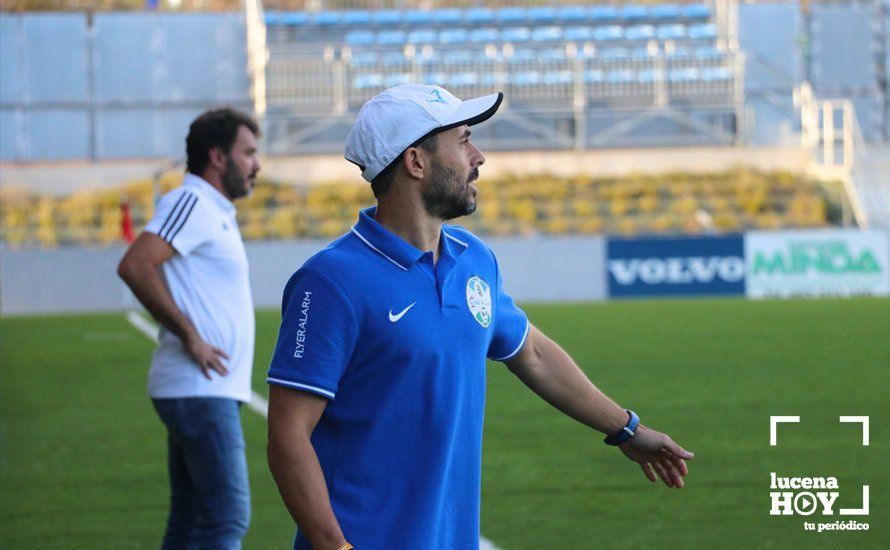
(126, 222)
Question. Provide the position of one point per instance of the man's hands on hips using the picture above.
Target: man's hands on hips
(656, 453)
(208, 357)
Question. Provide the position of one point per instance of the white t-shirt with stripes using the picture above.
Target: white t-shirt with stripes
(209, 280)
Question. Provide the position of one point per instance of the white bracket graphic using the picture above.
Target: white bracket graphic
(858, 511)
(864, 421)
(773, 420)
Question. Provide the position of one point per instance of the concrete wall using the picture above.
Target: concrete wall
(84, 279)
(65, 178)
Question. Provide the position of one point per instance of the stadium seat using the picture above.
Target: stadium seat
(686, 74)
(603, 13)
(547, 34)
(558, 78)
(421, 36)
(633, 13)
(391, 38)
(359, 59)
(387, 17)
(703, 31)
(613, 54)
(608, 33)
(362, 82)
(551, 54)
(447, 16)
(594, 76)
(648, 76)
(327, 18)
(485, 34)
(639, 32)
(671, 32)
(525, 78)
(454, 57)
(359, 38)
(454, 36)
(542, 14)
(664, 12)
(294, 18)
(356, 18)
(393, 58)
(577, 34)
(572, 14)
(466, 78)
(621, 76)
(716, 74)
(708, 53)
(522, 55)
(695, 11)
(397, 79)
(438, 78)
(511, 15)
(477, 16)
(516, 34)
(418, 17)
(640, 54)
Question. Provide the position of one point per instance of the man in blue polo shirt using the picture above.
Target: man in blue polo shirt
(378, 377)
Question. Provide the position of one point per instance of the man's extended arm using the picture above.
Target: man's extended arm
(140, 268)
(292, 418)
(549, 371)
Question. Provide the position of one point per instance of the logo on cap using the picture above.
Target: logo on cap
(435, 97)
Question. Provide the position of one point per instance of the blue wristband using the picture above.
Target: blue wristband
(626, 432)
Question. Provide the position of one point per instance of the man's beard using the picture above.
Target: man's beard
(447, 197)
(234, 182)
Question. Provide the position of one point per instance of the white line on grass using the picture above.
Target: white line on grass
(257, 403)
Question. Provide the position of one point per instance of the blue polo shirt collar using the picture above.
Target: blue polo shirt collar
(394, 248)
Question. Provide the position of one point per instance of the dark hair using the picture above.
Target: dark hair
(215, 128)
(381, 184)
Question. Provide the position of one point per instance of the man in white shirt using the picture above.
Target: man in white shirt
(189, 269)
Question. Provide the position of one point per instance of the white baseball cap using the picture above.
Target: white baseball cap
(393, 120)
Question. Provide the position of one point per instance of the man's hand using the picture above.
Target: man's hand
(208, 357)
(656, 453)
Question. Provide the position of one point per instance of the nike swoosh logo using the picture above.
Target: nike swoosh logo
(394, 318)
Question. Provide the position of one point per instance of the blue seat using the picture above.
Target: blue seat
(542, 14)
(577, 33)
(393, 58)
(465, 78)
(558, 78)
(703, 31)
(603, 13)
(397, 79)
(360, 59)
(359, 38)
(390, 38)
(421, 36)
(620, 76)
(511, 15)
(521, 55)
(294, 18)
(478, 16)
(633, 13)
(640, 54)
(387, 17)
(356, 17)
(608, 33)
(664, 12)
(639, 32)
(547, 34)
(485, 34)
(708, 53)
(551, 54)
(695, 11)
(594, 76)
(365, 81)
(516, 34)
(439, 78)
(716, 74)
(326, 18)
(613, 54)
(671, 32)
(680, 50)
(448, 16)
(571, 14)
(454, 36)
(686, 74)
(418, 17)
(647, 76)
(525, 78)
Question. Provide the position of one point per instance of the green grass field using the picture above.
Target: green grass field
(82, 453)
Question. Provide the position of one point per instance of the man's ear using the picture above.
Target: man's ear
(217, 158)
(415, 162)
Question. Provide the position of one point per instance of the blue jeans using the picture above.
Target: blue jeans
(209, 490)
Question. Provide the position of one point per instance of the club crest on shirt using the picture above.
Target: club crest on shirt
(479, 300)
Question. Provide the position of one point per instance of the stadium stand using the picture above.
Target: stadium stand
(566, 71)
